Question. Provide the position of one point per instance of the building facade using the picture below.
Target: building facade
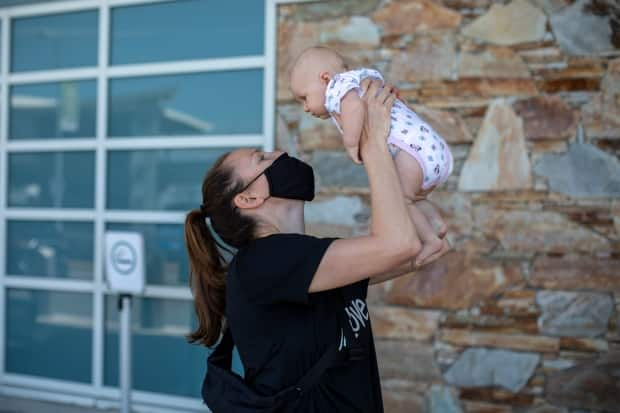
(111, 113)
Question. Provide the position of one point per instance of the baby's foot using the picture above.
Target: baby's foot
(431, 212)
(429, 248)
(445, 247)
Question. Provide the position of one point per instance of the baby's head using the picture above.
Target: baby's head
(310, 75)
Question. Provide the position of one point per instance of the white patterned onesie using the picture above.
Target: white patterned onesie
(408, 132)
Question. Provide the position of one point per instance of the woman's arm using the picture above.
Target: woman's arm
(405, 268)
(392, 239)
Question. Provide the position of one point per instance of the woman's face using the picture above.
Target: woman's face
(250, 163)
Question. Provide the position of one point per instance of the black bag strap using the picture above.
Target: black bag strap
(332, 357)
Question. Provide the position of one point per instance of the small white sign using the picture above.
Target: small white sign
(124, 260)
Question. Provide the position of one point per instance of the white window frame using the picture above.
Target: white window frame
(96, 394)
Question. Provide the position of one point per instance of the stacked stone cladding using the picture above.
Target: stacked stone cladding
(523, 315)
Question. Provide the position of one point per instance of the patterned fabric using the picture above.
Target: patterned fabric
(408, 132)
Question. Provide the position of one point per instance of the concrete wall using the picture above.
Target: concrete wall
(523, 315)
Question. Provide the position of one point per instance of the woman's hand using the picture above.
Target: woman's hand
(379, 99)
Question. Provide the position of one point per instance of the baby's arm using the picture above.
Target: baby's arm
(352, 113)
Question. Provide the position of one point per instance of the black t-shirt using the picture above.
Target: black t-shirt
(281, 330)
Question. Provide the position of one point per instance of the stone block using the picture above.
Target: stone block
(479, 367)
(579, 32)
(601, 116)
(574, 272)
(429, 57)
(583, 171)
(545, 408)
(404, 323)
(337, 210)
(329, 10)
(454, 281)
(401, 400)
(336, 170)
(498, 159)
(442, 400)
(406, 360)
(354, 30)
(539, 344)
(574, 314)
(547, 117)
(517, 22)
(584, 344)
(318, 134)
(493, 62)
(414, 16)
(530, 232)
(449, 125)
(591, 385)
(483, 407)
(551, 6)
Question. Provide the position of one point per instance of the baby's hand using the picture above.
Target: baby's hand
(354, 154)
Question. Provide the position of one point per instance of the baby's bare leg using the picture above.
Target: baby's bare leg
(431, 212)
(411, 178)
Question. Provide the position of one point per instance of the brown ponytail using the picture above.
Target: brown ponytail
(207, 265)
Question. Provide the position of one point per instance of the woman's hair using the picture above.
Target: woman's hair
(208, 268)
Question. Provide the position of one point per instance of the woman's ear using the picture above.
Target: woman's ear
(247, 201)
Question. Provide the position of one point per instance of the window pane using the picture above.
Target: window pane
(187, 30)
(50, 249)
(55, 41)
(166, 260)
(52, 179)
(193, 104)
(53, 110)
(158, 179)
(162, 359)
(49, 334)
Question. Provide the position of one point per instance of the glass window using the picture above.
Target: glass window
(162, 361)
(187, 30)
(52, 179)
(193, 104)
(49, 334)
(50, 249)
(53, 110)
(167, 179)
(55, 41)
(166, 260)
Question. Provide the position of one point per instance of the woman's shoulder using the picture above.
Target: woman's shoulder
(281, 248)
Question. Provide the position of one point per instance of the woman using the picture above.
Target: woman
(282, 294)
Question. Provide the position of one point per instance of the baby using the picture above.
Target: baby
(321, 81)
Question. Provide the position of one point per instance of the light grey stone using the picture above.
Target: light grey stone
(570, 314)
(358, 30)
(480, 367)
(340, 210)
(579, 32)
(550, 6)
(514, 23)
(406, 360)
(441, 400)
(582, 171)
(331, 9)
(561, 364)
(335, 169)
(498, 159)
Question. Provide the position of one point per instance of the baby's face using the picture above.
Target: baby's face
(309, 90)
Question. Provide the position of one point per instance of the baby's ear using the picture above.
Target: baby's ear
(325, 77)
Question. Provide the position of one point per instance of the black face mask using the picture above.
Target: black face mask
(288, 178)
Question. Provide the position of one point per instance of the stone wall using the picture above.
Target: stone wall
(523, 315)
